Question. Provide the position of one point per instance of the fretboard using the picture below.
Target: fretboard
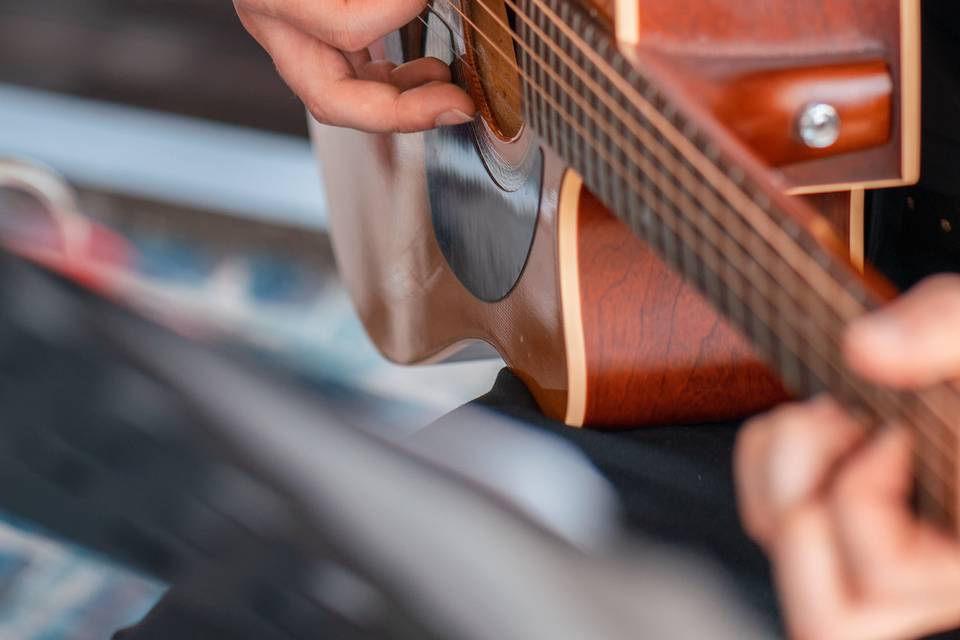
(717, 217)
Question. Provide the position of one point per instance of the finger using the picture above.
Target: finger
(913, 342)
(820, 600)
(791, 464)
(375, 71)
(363, 67)
(327, 83)
(808, 572)
(420, 72)
(409, 75)
(870, 503)
(810, 439)
(349, 25)
(752, 445)
(893, 620)
(891, 554)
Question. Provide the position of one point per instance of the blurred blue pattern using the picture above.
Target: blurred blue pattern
(169, 258)
(53, 591)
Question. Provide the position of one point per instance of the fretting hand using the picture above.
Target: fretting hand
(832, 507)
(320, 49)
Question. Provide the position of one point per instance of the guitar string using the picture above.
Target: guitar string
(926, 401)
(708, 200)
(941, 405)
(468, 67)
(526, 76)
(626, 119)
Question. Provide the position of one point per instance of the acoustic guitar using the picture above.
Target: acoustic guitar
(656, 217)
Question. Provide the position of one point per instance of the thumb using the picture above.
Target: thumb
(915, 341)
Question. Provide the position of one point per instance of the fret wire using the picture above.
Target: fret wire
(544, 78)
(828, 307)
(824, 370)
(588, 155)
(534, 107)
(767, 343)
(564, 5)
(567, 106)
(726, 237)
(838, 294)
(528, 93)
(922, 455)
(541, 102)
(563, 146)
(541, 74)
(773, 353)
(553, 88)
(661, 144)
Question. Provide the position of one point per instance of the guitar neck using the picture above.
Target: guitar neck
(765, 260)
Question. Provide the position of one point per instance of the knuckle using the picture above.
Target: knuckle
(349, 40)
(763, 435)
(350, 32)
(846, 492)
(319, 110)
(791, 423)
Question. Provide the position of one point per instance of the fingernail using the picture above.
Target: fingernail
(452, 117)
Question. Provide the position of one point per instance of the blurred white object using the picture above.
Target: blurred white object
(186, 161)
(59, 202)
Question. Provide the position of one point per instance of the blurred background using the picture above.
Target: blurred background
(180, 139)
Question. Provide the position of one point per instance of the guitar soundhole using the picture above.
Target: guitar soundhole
(484, 178)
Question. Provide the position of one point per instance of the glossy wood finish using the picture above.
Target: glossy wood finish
(411, 303)
(484, 232)
(495, 85)
(762, 108)
(656, 352)
(714, 47)
(836, 208)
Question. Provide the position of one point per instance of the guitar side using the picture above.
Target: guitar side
(412, 305)
(625, 342)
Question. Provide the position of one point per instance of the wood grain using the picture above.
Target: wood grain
(763, 108)
(712, 46)
(656, 352)
(495, 83)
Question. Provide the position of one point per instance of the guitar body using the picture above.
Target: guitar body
(481, 233)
